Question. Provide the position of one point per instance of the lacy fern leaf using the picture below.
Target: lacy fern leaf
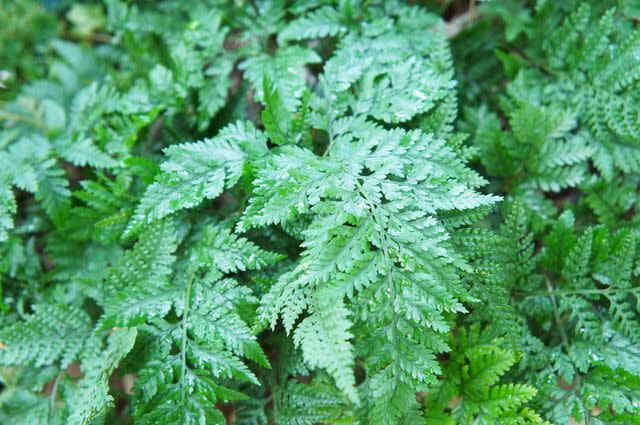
(199, 171)
(270, 212)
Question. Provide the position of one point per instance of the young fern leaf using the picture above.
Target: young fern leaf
(470, 392)
(275, 118)
(492, 283)
(199, 59)
(541, 153)
(286, 71)
(225, 251)
(107, 208)
(550, 162)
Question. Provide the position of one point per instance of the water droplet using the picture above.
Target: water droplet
(419, 94)
(400, 116)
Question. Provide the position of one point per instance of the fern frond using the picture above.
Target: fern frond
(329, 326)
(360, 217)
(299, 404)
(53, 333)
(323, 22)
(198, 171)
(470, 391)
(286, 71)
(91, 399)
(7, 210)
(136, 288)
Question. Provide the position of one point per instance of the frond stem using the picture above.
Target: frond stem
(384, 242)
(183, 348)
(556, 315)
(52, 396)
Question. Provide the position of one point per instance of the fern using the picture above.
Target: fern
(323, 22)
(470, 390)
(209, 335)
(597, 267)
(298, 212)
(52, 334)
(199, 171)
(366, 200)
(133, 292)
(91, 398)
(7, 211)
(285, 70)
(299, 404)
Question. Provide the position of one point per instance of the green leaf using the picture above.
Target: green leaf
(198, 171)
(285, 69)
(54, 333)
(91, 397)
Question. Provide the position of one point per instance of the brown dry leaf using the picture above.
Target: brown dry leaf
(454, 402)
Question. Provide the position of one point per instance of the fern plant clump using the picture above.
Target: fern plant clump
(334, 212)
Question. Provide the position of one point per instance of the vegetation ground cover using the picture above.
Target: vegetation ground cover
(319, 212)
